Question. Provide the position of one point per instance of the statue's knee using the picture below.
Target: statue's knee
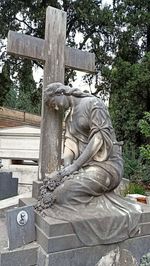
(60, 194)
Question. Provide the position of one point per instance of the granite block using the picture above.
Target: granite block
(58, 243)
(145, 216)
(27, 202)
(25, 256)
(36, 188)
(8, 185)
(90, 256)
(53, 227)
(20, 226)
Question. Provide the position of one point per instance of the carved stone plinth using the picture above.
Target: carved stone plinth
(59, 245)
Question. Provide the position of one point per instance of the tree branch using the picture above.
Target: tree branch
(21, 20)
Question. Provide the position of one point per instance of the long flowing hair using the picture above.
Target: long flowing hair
(54, 89)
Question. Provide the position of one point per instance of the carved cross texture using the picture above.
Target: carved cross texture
(55, 57)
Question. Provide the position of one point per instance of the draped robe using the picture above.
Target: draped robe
(87, 198)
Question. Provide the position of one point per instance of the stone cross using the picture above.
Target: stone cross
(55, 56)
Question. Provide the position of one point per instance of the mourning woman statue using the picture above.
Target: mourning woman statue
(93, 168)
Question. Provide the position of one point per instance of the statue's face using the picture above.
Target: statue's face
(60, 102)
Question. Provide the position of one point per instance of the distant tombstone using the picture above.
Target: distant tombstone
(20, 226)
(8, 185)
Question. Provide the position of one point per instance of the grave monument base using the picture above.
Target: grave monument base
(59, 245)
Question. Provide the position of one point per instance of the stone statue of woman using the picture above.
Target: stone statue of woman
(93, 164)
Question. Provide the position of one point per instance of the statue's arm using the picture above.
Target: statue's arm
(91, 149)
(68, 156)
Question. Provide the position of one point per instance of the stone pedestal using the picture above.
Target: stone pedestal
(8, 185)
(59, 245)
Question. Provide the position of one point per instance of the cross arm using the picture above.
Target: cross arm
(34, 48)
(25, 46)
(79, 60)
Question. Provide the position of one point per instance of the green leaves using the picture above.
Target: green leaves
(144, 125)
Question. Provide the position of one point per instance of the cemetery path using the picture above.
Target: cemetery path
(3, 234)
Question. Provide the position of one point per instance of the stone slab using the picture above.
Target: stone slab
(53, 227)
(145, 217)
(24, 201)
(71, 241)
(36, 188)
(57, 235)
(57, 243)
(3, 234)
(90, 256)
(10, 203)
(8, 185)
(20, 226)
(20, 142)
(25, 256)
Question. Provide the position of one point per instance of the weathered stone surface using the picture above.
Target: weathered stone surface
(131, 251)
(122, 186)
(88, 256)
(36, 189)
(53, 227)
(8, 185)
(27, 202)
(20, 226)
(42, 257)
(118, 257)
(26, 256)
(58, 243)
(3, 234)
(55, 235)
(20, 142)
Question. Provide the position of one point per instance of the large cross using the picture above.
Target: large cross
(55, 56)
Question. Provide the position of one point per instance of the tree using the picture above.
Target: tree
(84, 16)
(28, 95)
(130, 98)
(129, 76)
(144, 125)
(5, 82)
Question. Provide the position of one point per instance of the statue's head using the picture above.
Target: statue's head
(55, 96)
(59, 96)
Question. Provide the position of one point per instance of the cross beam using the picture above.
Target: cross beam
(55, 56)
(18, 44)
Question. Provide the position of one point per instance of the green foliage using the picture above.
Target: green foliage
(130, 73)
(87, 17)
(5, 82)
(130, 97)
(144, 125)
(134, 188)
(135, 169)
(29, 97)
(11, 98)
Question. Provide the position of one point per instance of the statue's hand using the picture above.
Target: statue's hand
(68, 170)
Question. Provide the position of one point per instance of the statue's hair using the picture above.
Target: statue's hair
(54, 89)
